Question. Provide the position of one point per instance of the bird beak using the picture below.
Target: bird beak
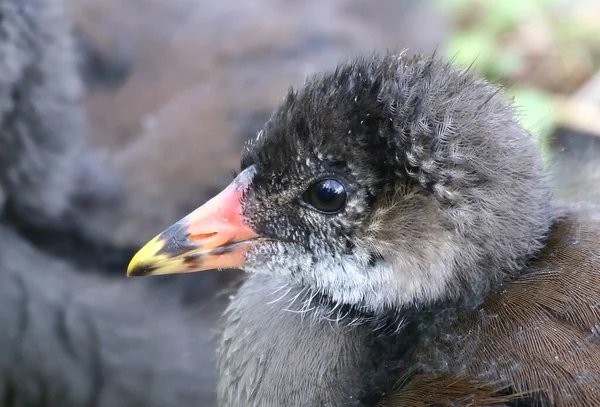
(213, 236)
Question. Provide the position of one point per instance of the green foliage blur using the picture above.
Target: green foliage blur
(538, 49)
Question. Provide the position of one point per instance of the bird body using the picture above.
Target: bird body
(536, 335)
(405, 247)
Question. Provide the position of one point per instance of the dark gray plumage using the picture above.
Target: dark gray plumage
(273, 354)
(70, 338)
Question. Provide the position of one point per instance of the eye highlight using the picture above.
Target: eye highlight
(328, 196)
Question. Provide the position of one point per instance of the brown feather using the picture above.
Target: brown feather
(540, 332)
(445, 390)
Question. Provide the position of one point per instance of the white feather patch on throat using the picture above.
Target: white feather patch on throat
(390, 284)
(386, 285)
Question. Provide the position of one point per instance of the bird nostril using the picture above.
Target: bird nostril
(203, 236)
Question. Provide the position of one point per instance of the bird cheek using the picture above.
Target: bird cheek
(266, 258)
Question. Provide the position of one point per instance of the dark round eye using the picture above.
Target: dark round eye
(327, 196)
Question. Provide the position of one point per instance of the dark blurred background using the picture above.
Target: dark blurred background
(168, 93)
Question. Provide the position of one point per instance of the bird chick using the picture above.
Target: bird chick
(391, 182)
(401, 195)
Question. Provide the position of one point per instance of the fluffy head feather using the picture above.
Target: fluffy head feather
(445, 191)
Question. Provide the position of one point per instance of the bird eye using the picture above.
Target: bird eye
(327, 196)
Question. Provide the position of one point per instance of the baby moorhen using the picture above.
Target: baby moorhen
(405, 250)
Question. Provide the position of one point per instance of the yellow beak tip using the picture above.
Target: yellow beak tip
(145, 260)
(135, 270)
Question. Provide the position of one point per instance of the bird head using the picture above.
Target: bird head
(390, 182)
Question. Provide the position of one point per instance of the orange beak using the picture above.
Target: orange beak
(213, 236)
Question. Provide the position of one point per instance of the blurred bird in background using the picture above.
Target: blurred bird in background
(119, 117)
(70, 337)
